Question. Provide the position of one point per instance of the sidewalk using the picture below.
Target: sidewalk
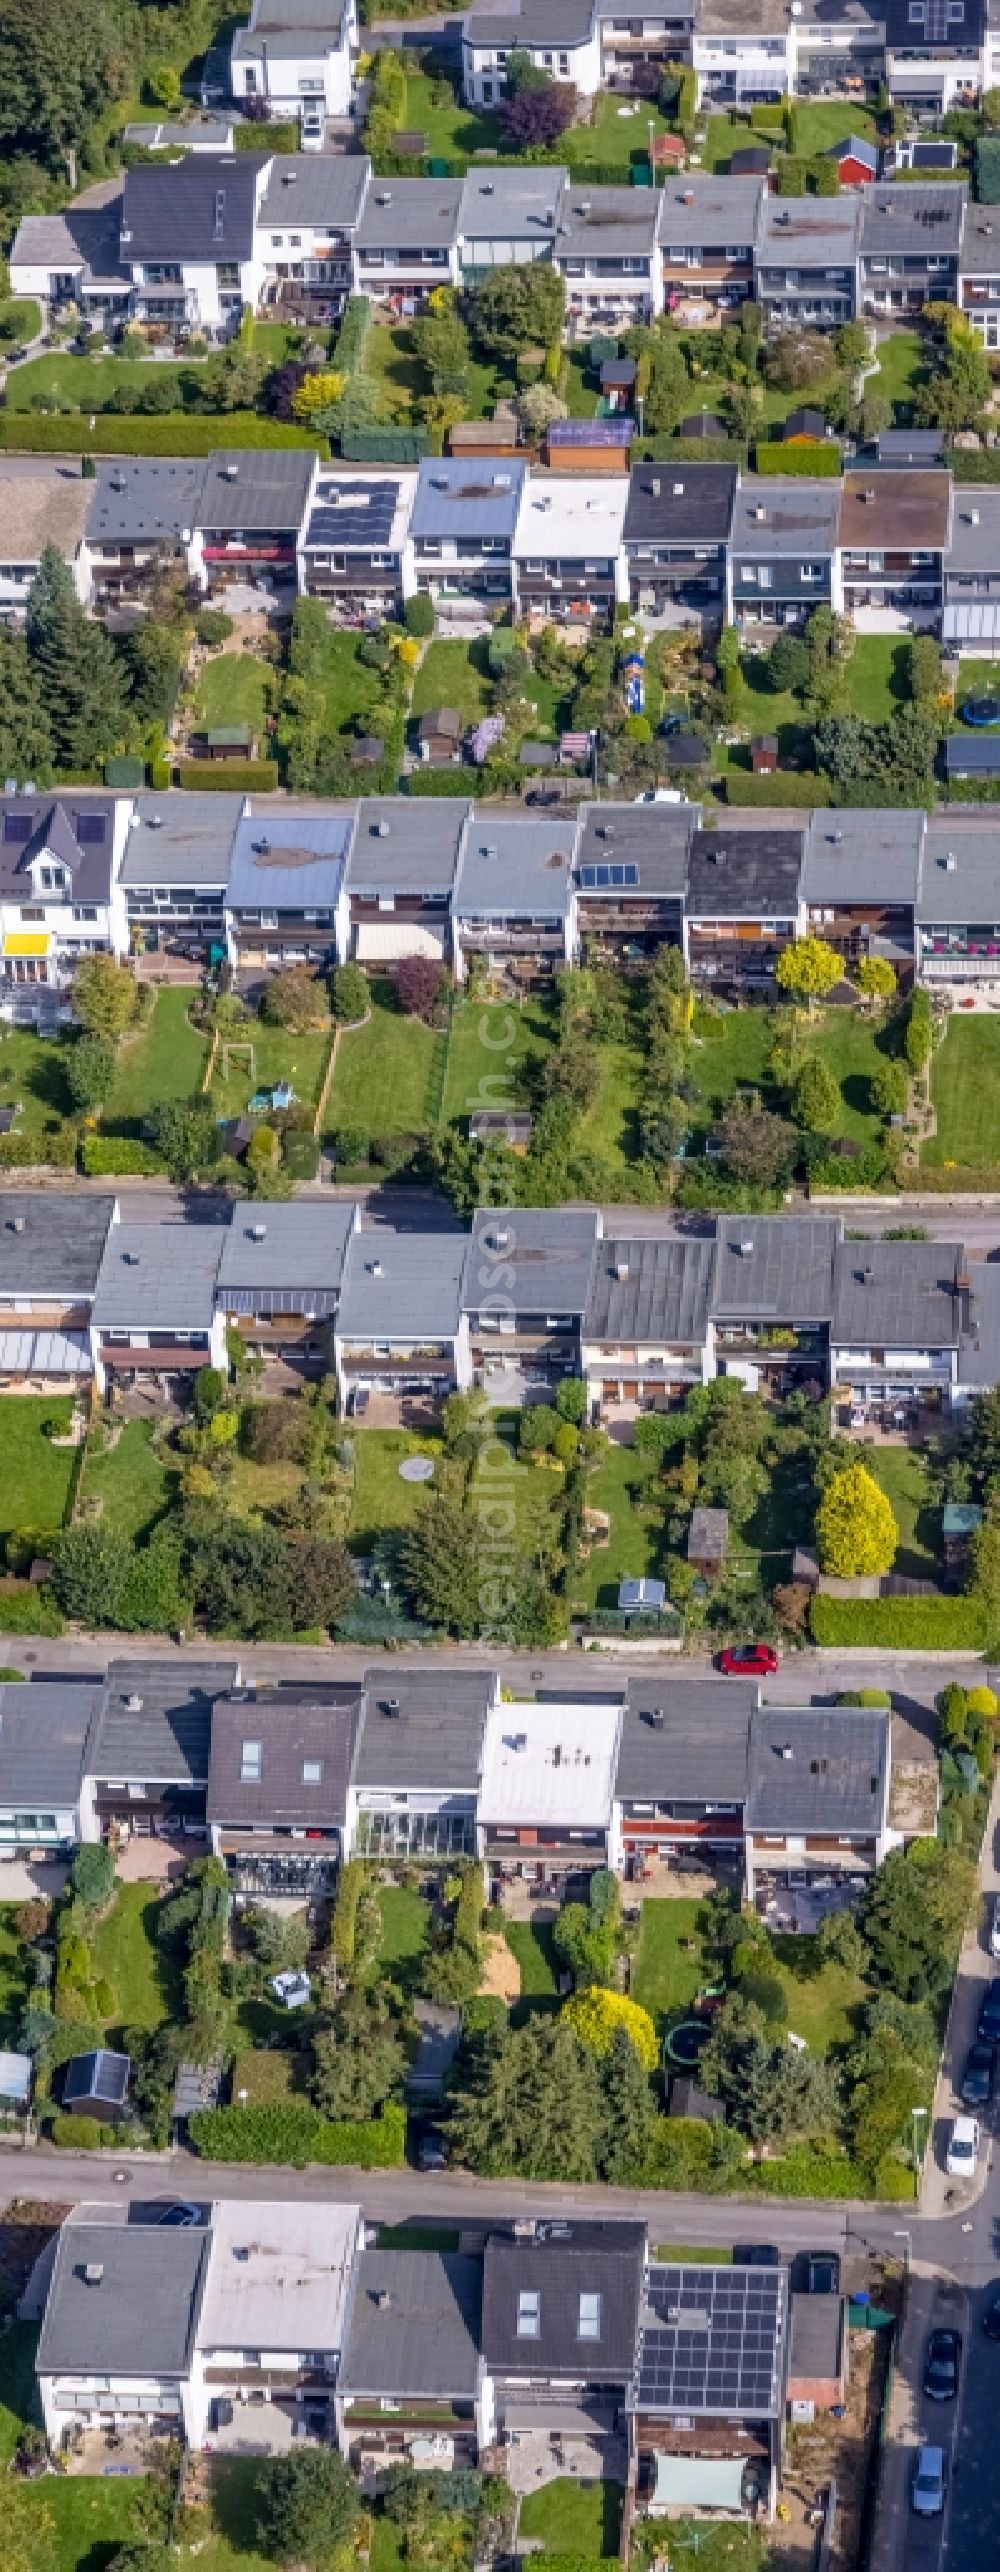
(975, 1968)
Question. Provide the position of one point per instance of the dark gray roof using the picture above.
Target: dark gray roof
(140, 498)
(402, 1285)
(649, 1290)
(433, 1735)
(775, 1267)
(979, 1354)
(699, 1751)
(809, 232)
(566, 22)
(897, 1293)
(560, 2265)
(910, 446)
(980, 246)
(159, 1276)
(754, 872)
(862, 856)
(457, 496)
(512, 863)
(199, 208)
(138, 2317)
(771, 516)
(45, 1734)
(75, 829)
(324, 188)
(255, 489)
(101, 2077)
(164, 1739)
(413, 2325)
(681, 504)
(52, 1246)
(403, 845)
(917, 221)
(606, 222)
(653, 838)
(835, 1779)
(181, 839)
(958, 872)
(529, 1259)
(817, 2337)
(298, 1730)
(713, 2342)
(702, 210)
(400, 213)
(972, 754)
(303, 1246)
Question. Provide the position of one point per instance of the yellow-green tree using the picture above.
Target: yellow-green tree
(809, 969)
(875, 978)
(595, 2017)
(856, 1531)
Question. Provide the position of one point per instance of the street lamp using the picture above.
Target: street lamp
(918, 2154)
(901, 2233)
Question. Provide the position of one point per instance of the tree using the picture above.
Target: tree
(58, 75)
(757, 1147)
(808, 969)
(957, 394)
(441, 341)
(105, 997)
(919, 1032)
(90, 1071)
(25, 732)
(350, 994)
(924, 656)
(537, 407)
(92, 1874)
(727, 660)
(913, 1916)
(323, 1578)
(209, 1393)
(816, 1099)
(840, 1943)
(420, 987)
(294, 998)
(419, 615)
(533, 2103)
(789, 665)
(799, 360)
(630, 2115)
(889, 1089)
(154, 1599)
(90, 1564)
(534, 117)
(514, 308)
(587, 1946)
(875, 978)
(572, 1399)
(186, 1132)
(305, 2504)
(523, 73)
(440, 1567)
(79, 674)
(151, 662)
(856, 1531)
(852, 347)
(596, 2016)
(669, 392)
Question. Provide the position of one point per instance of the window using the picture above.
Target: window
(528, 2313)
(312, 1772)
(251, 1763)
(589, 2324)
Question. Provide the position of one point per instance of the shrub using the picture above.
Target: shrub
(419, 614)
(108, 1156)
(343, 1927)
(213, 625)
(297, 2134)
(25, 1609)
(900, 1625)
(350, 993)
(228, 776)
(595, 2017)
(773, 456)
(173, 433)
(92, 1875)
(55, 1150)
(436, 781)
(79, 2134)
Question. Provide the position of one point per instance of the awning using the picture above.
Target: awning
(699, 2482)
(385, 942)
(974, 624)
(45, 1353)
(27, 942)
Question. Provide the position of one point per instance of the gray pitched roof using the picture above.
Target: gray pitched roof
(255, 489)
(181, 839)
(400, 212)
(159, 1276)
(74, 828)
(298, 1247)
(974, 544)
(915, 220)
(862, 856)
(299, 1730)
(606, 222)
(45, 1732)
(139, 499)
(649, 1290)
(753, 873)
(835, 1777)
(324, 188)
(774, 1267)
(604, 2260)
(155, 1720)
(654, 838)
(511, 863)
(899, 1293)
(775, 517)
(138, 2316)
(83, 237)
(413, 2325)
(289, 861)
(199, 208)
(424, 1728)
(402, 845)
(958, 872)
(680, 504)
(529, 1259)
(703, 210)
(972, 754)
(698, 1753)
(456, 496)
(402, 1285)
(52, 1245)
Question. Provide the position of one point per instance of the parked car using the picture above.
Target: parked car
(991, 2317)
(963, 2148)
(942, 2365)
(431, 2154)
(930, 2482)
(976, 2086)
(823, 2273)
(756, 2255)
(988, 2021)
(993, 1930)
(749, 1660)
(183, 2217)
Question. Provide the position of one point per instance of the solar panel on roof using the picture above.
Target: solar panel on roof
(600, 876)
(590, 433)
(711, 2341)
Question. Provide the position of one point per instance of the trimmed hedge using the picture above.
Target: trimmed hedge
(783, 786)
(900, 1625)
(39, 1151)
(296, 2133)
(439, 781)
(26, 1608)
(228, 776)
(973, 790)
(119, 1156)
(80, 2134)
(125, 433)
(277, 137)
(816, 463)
(973, 464)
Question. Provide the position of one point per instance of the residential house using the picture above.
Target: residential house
(308, 219)
(546, 1792)
(60, 899)
(743, 904)
(807, 260)
(817, 2365)
(783, 558)
(297, 57)
(677, 528)
(507, 218)
(140, 522)
(958, 913)
(742, 55)
(43, 501)
(562, 38)
(606, 252)
(47, 1731)
(354, 549)
(189, 240)
(514, 904)
(412, 2387)
(817, 1796)
(979, 273)
(971, 617)
(629, 46)
(74, 257)
(569, 566)
(51, 1250)
(898, 1317)
(707, 229)
(399, 880)
(406, 242)
(148, 1756)
(418, 1763)
(525, 1289)
(462, 527)
(175, 870)
(400, 1331)
(860, 879)
(286, 873)
(681, 1777)
(561, 2313)
(279, 1278)
(771, 1298)
(154, 1311)
(278, 1784)
(911, 237)
(934, 58)
(631, 873)
(837, 45)
(707, 2401)
(893, 533)
(646, 1337)
(252, 507)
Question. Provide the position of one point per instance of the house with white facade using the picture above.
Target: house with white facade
(546, 1795)
(607, 253)
(297, 58)
(45, 501)
(898, 1322)
(507, 218)
(354, 549)
(400, 1329)
(190, 239)
(646, 1334)
(60, 893)
(406, 241)
(47, 1736)
(309, 214)
(278, 1781)
(817, 1796)
(252, 504)
(563, 38)
(52, 1245)
(515, 902)
(154, 1311)
(569, 555)
(462, 526)
(415, 1781)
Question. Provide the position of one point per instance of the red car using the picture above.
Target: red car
(749, 1660)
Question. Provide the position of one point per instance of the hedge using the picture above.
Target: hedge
(439, 781)
(119, 1156)
(80, 2134)
(783, 786)
(172, 433)
(349, 345)
(973, 464)
(56, 1151)
(816, 463)
(296, 2134)
(900, 1625)
(26, 1608)
(350, 1886)
(974, 790)
(385, 446)
(277, 137)
(228, 776)
(662, 450)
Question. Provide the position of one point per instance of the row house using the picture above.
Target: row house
(630, 879)
(707, 230)
(462, 527)
(971, 613)
(545, 1809)
(251, 505)
(958, 912)
(708, 2395)
(929, 57)
(742, 905)
(155, 1311)
(415, 1779)
(400, 1329)
(897, 1326)
(307, 224)
(936, 53)
(297, 58)
(140, 525)
(859, 884)
(149, 1755)
(399, 880)
(43, 501)
(568, 554)
(60, 891)
(279, 1278)
(524, 1294)
(677, 530)
(52, 1249)
(979, 273)
(175, 871)
(278, 1786)
(514, 905)
(189, 240)
(806, 260)
(563, 39)
(892, 532)
(284, 887)
(507, 218)
(783, 556)
(742, 57)
(911, 238)
(606, 250)
(646, 1333)
(354, 549)
(817, 1797)
(407, 240)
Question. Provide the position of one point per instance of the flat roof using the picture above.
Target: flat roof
(686, 1738)
(775, 1267)
(897, 1293)
(550, 1763)
(123, 2300)
(288, 861)
(680, 503)
(529, 1259)
(46, 1730)
(654, 839)
(752, 874)
(52, 1245)
(400, 213)
(402, 1285)
(159, 1276)
(512, 864)
(137, 499)
(958, 871)
(305, 1739)
(413, 2325)
(424, 1728)
(460, 496)
(704, 210)
(278, 2271)
(572, 516)
(818, 1768)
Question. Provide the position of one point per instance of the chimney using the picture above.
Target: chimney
(133, 1704)
(93, 2272)
(258, 1232)
(17, 1223)
(621, 1270)
(390, 1705)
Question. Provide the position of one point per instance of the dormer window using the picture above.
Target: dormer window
(589, 2324)
(529, 2314)
(251, 1762)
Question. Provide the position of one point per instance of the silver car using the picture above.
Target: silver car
(930, 2481)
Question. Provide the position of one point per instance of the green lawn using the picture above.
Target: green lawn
(90, 2516)
(819, 125)
(611, 1126)
(733, 1052)
(126, 1956)
(729, 1052)
(422, 2237)
(83, 383)
(32, 1076)
(278, 1056)
(451, 131)
(531, 1942)
(901, 369)
(386, 2549)
(381, 1499)
(405, 1926)
(388, 1072)
(535, 1493)
(975, 679)
(617, 135)
(134, 1481)
(24, 316)
(234, 688)
(965, 1087)
(231, 2547)
(490, 1047)
(582, 2519)
(902, 1473)
(15, 1981)
(453, 674)
(36, 1476)
(391, 358)
(666, 1978)
(166, 1061)
(823, 2000)
(636, 1543)
(878, 676)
